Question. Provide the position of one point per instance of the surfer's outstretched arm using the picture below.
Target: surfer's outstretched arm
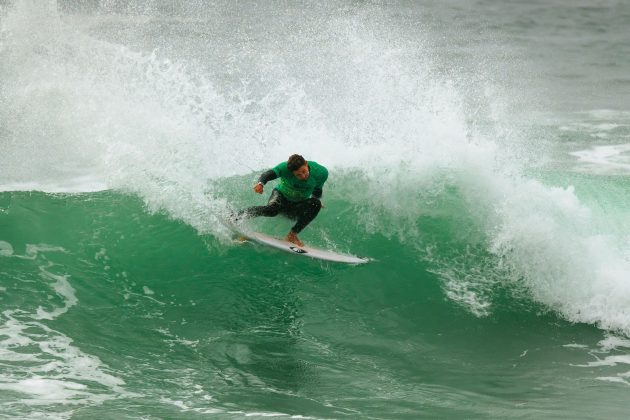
(263, 179)
(267, 176)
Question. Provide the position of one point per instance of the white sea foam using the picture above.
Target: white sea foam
(63, 289)
(622, 359)
(605, 159)
(33, 250)
(45, 391)
(550, 239)
(613, 342)
(576, 346)
(48, 368)
(6, 249)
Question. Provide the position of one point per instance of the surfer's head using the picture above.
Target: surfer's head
(299, 166)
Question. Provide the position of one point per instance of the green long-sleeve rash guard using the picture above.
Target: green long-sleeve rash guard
(295, 189)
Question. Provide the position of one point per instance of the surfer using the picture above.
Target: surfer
(297, 196)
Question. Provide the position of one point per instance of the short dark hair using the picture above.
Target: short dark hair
(295, 162)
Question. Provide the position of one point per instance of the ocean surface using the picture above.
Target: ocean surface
(479, 154)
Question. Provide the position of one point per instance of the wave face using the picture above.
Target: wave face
(490, 198)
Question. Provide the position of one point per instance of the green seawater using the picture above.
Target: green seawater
(110, 311)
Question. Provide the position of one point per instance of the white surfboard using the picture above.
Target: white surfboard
(305, 251)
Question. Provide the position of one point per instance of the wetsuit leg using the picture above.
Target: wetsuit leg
(275, 204)
(305, 211)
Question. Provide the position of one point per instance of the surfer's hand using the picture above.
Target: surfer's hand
(258, 188)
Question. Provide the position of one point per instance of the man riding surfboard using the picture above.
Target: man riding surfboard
(297, 196)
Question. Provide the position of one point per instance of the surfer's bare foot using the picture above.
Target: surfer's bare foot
(293, 238)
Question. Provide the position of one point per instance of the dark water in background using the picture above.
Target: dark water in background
(478, 151)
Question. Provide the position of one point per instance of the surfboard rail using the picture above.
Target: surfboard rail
(306, 251)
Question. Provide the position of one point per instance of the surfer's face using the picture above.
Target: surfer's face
(302, 172)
